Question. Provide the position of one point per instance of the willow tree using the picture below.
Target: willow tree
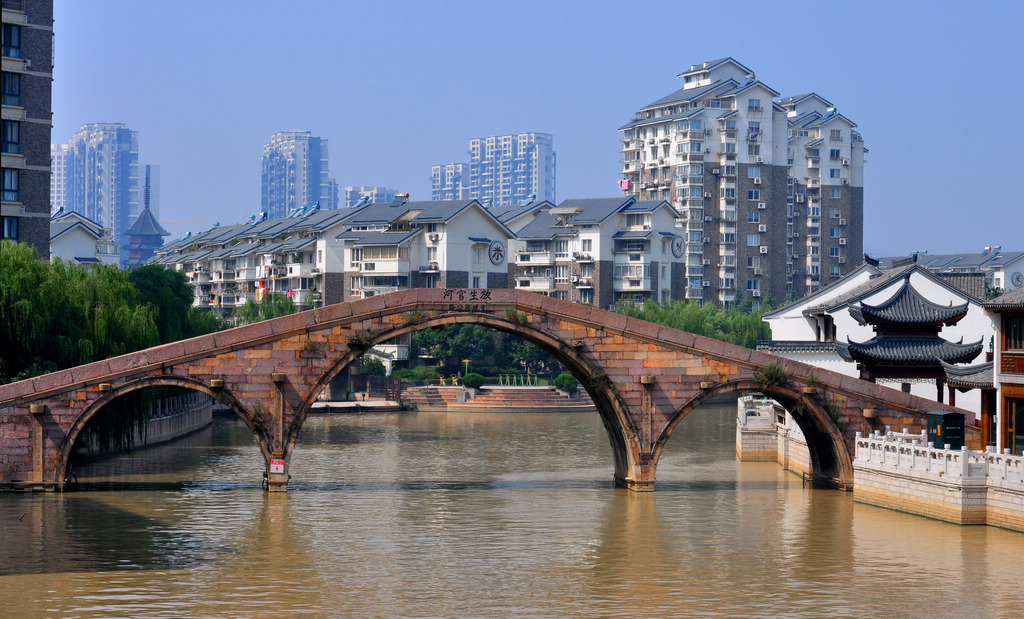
(735, 326)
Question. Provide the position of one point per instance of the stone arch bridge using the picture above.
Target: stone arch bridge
(643, 378)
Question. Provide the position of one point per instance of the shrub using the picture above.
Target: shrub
(473, 380)
(566, 382)
(771, 375)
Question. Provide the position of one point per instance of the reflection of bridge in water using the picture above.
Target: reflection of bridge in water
(642, 377)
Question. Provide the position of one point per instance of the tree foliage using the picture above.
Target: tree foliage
(481, 345)
(735, 326)
(371, 366)
(274, 305)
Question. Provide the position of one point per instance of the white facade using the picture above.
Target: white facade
(809, 329)
(79, 240)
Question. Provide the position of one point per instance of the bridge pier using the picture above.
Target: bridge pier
(277, 469)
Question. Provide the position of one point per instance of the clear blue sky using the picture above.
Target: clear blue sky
(936, 89)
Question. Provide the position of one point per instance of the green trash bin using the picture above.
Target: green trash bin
(946, 428)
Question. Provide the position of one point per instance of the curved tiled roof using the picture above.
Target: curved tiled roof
(974, 376)
(929, 350)
(908, 307)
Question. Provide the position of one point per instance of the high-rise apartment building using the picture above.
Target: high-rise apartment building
(770, 191)
(27, 59)
(295, 174)
(368, 195)
(97, 175)
(502, 169)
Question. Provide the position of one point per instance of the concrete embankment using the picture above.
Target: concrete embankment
(497, 399)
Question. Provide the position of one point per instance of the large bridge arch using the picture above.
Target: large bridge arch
(831, 460)
(78, 427)
(610, 406)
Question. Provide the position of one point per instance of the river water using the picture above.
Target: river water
(458, 515)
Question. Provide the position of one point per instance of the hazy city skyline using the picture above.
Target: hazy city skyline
(406, 85)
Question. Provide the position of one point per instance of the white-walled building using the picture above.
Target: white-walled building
(771, 189)
(598, 251)
(819, 328)
(1004, 270)
(77, 239)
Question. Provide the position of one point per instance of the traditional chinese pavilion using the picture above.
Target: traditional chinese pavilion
(144, 238)
(907, 344)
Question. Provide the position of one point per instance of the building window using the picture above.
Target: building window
(754, 105)
(9, 228)
(834, 270)
(754, 172)
(836, 135)
(729, 147)
(561, 273)
(431, 227)
(12, 88)
(430, 281)
(561, 249)
(10, 186)
(12, 41)
(586, 270)
(833, 232)
(834, 153)
(587, 296)
(754, 217)
(587, 245)
(634, 220)
(835, 193)
(431, 254)
(753, 240)
(11, 141)
(753, 284)
(833, 252)
(835, 173)
(753, 150)
(754, 194)
(1013, 333)
(476, 281)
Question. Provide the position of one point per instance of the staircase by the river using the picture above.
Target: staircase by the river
(496, 399)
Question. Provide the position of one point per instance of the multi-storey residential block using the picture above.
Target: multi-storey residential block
(98, 176)
(368, 195)
(295, 174)
(502, 170)
(27, 58)
(598, 251)
(762, 215)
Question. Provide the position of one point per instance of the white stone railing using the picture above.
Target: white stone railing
(912, 454)
(755, 412)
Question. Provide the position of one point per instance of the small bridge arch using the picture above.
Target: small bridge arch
(643, 378)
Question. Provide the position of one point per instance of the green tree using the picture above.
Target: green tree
(735, 326)
(273, 305)
(169, 292)
(369, 365)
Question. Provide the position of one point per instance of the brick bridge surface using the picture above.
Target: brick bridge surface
(644, 379)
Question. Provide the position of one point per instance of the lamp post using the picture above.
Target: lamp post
(466, 361)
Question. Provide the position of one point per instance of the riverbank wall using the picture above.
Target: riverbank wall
(902, 471)
(766, 433)
(170, 418)
(497, 399)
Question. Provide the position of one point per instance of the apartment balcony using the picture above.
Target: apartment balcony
(535, 283)
(222, 276)
(535, 257)
(582, 257)
(695, 225)
(1011, 363)
(199, 277)
(301, 269)
(430, 267)
(694, 293)
(696, 248)
(247, 274)
(377, 267)
(371, 291)
(695, 271)
(632, 284)
(813, 162)
(813, 182)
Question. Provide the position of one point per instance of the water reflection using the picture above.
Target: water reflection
(434, 514)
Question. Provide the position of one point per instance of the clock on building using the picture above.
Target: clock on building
(677, 247)
(1017, 279)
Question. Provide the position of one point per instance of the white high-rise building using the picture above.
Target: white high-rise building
(97, 175)
(502, 170)
(770, 191)
(295, 174)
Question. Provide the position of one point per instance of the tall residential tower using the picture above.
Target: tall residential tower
(295, 174)
(502, 169)
(27, 78)
(97, 175)
(771, 192)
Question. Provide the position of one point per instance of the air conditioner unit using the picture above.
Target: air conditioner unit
(799, 197)
(846, 162)
(796, 213)
(842, 241)
(707, 194)
(707, 263)
(708, 218)
(764, 249)
(716, 170)
(796, 235)
(842, 222)
(762, 228)
(845, 182)
(707, 239)
(762, 205)
(707, 132)
(758, 272)
(706, 284)
(434, 237)
(433, 266)
(574, 278)
(707, 150)
(842, 260)
(759, 159)
(757, 180)
(755, 293)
